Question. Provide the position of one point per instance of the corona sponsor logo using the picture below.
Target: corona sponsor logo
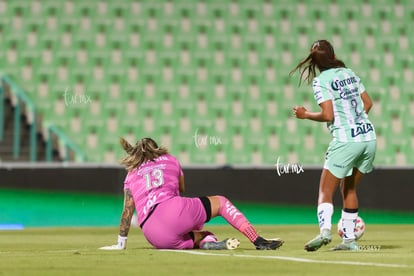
(338, 84)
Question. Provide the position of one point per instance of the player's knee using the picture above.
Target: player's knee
(222, 200)
(218, 203)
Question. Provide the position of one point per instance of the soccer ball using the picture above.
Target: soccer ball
(359, 228)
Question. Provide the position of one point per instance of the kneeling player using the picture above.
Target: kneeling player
(168, 220)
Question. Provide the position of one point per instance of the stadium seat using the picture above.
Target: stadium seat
(168, 68)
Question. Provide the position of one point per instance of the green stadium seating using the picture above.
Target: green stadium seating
(169, 69)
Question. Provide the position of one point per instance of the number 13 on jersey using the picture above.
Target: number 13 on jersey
(154, 179)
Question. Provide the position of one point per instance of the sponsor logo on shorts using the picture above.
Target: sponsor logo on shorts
(338, 166)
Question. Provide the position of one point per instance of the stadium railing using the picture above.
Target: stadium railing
(22, 103)
(67, 148)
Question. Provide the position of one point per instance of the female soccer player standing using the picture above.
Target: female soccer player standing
(169, 221)
(344, 106)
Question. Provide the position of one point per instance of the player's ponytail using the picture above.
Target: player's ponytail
(308, 66)
(128, 148)
(322, 56)
(144, 150)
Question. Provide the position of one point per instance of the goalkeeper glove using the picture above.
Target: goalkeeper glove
(121, 245)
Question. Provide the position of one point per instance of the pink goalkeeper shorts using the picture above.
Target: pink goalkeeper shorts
(170, 224)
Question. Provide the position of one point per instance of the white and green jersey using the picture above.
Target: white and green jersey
(344, 88)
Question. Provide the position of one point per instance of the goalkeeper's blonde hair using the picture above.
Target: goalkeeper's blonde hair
(144, 150)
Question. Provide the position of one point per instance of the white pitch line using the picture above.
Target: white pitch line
(62, 251)
(293, 259)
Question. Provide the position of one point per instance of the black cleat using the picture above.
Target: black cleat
(263, 244)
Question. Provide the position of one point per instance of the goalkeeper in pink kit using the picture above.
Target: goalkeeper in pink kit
(169, 221)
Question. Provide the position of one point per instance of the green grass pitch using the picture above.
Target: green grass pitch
(385, 250)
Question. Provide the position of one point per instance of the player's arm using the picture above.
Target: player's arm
(325, 115)
(127, 213)
(367, 101)
(181, 186)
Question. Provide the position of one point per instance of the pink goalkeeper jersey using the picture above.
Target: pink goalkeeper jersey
(153, 182)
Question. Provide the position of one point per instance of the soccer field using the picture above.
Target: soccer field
(385, 250)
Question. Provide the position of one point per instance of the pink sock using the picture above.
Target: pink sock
(236, 219)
